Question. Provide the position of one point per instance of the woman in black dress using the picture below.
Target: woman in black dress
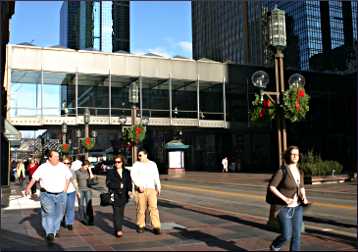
(118, 181)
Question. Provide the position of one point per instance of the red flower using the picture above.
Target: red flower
(262, 114)
(266, 103)
(88, 141)
(138, 130)
(301, 93)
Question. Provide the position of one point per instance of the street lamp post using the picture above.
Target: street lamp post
(277, 39)
(86, 118)
(133, 99)
(78, 135)
(64, 132)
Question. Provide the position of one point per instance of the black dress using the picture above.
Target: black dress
(119, 186)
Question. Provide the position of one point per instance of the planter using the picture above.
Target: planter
(315, 180)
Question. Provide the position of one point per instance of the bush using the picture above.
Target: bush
(313, 165)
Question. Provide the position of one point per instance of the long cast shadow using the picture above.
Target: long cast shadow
(35, 221)
(347, 239)
(210, 240)
(15, 241)
(101, 221)
(327, 221)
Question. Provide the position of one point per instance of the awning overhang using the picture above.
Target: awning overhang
(12, 134)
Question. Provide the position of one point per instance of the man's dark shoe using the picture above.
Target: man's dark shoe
(50, 237)
(140, 229)
(156, 231)
(70, 227)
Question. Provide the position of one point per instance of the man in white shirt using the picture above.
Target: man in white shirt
(225, 164)
(54, 179)
(145, 177)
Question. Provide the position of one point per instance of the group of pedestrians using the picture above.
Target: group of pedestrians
(61, 182)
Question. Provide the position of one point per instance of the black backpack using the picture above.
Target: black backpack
(271, 198)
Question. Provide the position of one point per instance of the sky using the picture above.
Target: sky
(161, 27)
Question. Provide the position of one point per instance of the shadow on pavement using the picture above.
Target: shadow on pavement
(35, 221)
(347, 239)
(15, 241)
(101, 221)
(327, 221)
(210, 240)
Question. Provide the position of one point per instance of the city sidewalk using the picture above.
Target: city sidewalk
(183, 228)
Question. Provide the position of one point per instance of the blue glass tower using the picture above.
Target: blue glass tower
(95, 24)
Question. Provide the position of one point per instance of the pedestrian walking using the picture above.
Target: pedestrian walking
(119, 182)
(69, 217)
(83, 175)
(54, 180)
(145, 177)
(287, 184)
(20, 172)
(225, 164)
(32, 167)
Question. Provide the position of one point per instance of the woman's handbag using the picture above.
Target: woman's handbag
(107, 198)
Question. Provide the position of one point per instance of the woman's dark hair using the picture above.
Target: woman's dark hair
(287, 154)
(123, 159)
(143, 150)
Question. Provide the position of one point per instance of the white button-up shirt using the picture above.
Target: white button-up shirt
(52, 178)
(145, 174)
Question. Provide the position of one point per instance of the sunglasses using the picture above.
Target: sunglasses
(118, 162)
(66, 162)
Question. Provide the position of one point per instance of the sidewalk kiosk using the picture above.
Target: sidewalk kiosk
(176, 157)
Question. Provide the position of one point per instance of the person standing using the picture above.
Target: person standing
(145, 177)
(20, 172)
(83, 175)
(31, 169)
(288, 185)
(119, 182)
(54, 179)
(225, 164)
(69, 216)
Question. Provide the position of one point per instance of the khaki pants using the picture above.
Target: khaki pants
(147, 198)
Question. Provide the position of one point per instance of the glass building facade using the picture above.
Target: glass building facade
(236, 31)
(95, 24)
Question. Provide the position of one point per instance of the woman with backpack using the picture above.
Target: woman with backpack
(288, 187)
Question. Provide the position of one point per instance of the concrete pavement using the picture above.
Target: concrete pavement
(184, 227)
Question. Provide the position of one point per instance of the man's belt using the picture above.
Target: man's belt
(44, 190)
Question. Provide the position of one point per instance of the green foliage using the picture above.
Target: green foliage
(295, 103)
(262, 109)
(313, 165)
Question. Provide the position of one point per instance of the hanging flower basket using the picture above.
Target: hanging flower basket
(295, 103)
(135, 134)
(262, 109)
(65, 148)
(88, 143)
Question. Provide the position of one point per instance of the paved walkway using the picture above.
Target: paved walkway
(183, 229)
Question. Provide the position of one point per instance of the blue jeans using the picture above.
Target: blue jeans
(52, 211)
(291, 223)
(70, 208)
(86, 210)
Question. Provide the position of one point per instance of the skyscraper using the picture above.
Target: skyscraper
(101, 25)
(237, 30)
